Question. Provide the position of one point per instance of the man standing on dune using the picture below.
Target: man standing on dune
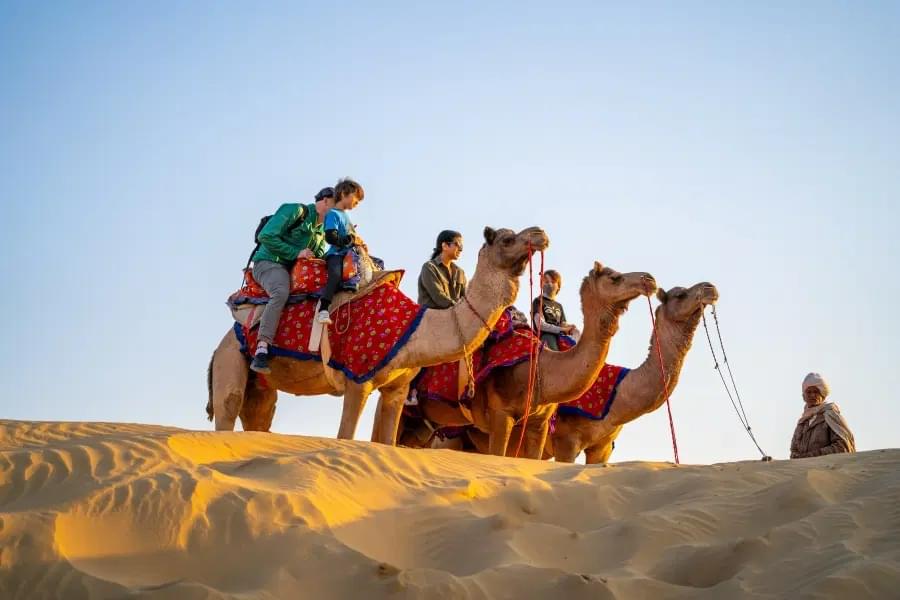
(821, 429)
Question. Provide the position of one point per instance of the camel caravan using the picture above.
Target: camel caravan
(459, 367)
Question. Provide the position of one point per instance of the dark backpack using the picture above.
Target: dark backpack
(259, 228)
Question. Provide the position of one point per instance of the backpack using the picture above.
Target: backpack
(259, 228)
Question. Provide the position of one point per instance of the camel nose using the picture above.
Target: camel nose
(649, 283)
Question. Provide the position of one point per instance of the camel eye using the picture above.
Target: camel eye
(507, 241)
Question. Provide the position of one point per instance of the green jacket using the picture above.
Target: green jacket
(291, 229)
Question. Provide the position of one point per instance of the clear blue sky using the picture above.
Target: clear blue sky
(754, 145)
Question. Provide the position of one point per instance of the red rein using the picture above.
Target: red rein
(662, 372)
(535, 350)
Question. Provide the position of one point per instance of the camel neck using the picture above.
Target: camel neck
(446, 335)
(675, 340)
(568, 375)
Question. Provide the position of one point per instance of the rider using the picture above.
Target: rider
(341, 237)
(548, 314)
(441, 281)
(294, 231)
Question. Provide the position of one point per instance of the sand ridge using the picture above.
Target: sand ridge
(104, 510)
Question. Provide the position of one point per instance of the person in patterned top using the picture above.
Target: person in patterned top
(548, 315)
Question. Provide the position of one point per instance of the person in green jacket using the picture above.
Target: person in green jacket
(294, 231)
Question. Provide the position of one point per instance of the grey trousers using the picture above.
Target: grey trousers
(276, 280)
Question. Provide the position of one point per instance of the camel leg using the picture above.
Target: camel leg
(596, 455)
(480, 440)
(259, 408)
(355, 397)
(600, 452)
(387, 417)
(565, 449)
(390, 409)
(501, 429)
(535, 438)
(228, 382)
(548, 447)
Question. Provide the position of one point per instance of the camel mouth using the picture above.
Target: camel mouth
(708, 294)
(537, 239)
(542, 244)
(709, 297)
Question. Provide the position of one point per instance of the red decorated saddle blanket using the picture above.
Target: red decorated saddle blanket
(365, 335)
(508, 352)
(598, 400)
(292, 336)
(368, 332)
(308, 279)
(508, 344)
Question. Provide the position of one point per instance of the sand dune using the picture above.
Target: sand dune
(95, 510)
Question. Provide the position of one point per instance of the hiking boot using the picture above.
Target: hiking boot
(324, 318)
(260, 364)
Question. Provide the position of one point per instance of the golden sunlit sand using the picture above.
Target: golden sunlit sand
(97, 510)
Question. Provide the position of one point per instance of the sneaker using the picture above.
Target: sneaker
(260, 364)
(324, 317)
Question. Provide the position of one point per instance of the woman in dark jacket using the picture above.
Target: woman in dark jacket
(441, 282)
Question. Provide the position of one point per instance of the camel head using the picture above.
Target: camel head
(508, 251)
(606, 287)
(685, 305)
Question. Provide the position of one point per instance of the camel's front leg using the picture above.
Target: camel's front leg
(566, 448)
(501, 428)
(536, 437)
(387, 418)
(355, 396)
(600, 452)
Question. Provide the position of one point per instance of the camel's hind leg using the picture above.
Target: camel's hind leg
(258, 409)
(228, 373)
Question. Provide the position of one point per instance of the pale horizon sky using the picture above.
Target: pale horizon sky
(753, 145)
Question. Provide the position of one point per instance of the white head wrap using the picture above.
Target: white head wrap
(816, 380)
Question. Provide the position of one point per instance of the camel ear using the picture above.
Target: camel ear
(598, 268)
(661, 296)
(489, 235)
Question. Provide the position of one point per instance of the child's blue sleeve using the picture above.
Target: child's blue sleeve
(333, 221)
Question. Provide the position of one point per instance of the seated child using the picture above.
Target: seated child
(341, 237)
(551, 322)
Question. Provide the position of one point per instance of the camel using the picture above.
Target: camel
(641, 390)
(499, 401)
(442, 336)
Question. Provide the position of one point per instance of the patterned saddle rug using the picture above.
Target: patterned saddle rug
(598, 400)
(366, 333)
(508, 344)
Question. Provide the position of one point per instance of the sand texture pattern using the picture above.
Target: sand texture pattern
(101, 510)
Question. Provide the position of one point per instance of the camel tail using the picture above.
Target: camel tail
(209, 387)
